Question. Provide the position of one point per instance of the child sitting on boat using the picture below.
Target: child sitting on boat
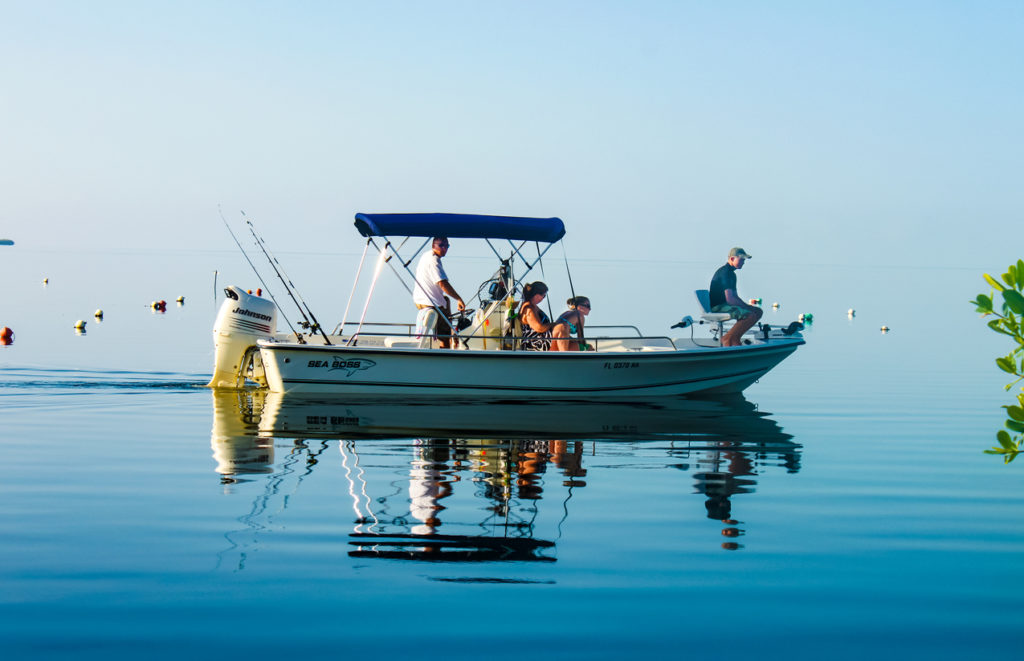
(570, 323)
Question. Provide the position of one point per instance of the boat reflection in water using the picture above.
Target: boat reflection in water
(238, 447)
(502, 458)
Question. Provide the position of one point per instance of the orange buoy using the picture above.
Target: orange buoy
(6, 335)
(259, 292)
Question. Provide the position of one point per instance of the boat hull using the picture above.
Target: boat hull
(294, 368)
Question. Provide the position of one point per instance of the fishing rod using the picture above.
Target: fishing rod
(289, 287)
(279, 277)
(253, 266)
(572, 290)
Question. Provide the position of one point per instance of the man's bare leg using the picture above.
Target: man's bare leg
(734, 337)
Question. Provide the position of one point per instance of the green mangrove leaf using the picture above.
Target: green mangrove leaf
(1020, 274)
(1015, 412)
(1004, 439)
(997, 326)
(1015, 426)
(1007, 365)
(1014, 300)
(983, 304)
(995, 283)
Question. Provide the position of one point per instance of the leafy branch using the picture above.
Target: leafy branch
(1008, 320)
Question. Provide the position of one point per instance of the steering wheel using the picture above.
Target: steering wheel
(463, 319)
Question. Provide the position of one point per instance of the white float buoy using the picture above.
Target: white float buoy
(885, 329)
(181, 300)
(851, 313)
(775, 305)
(80, 325)
(99, 314)
(46, 281)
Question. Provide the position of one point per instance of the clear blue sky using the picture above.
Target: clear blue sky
(856, 132)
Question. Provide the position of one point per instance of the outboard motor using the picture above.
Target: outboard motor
(243, 319)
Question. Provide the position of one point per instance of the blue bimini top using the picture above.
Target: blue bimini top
(460, 226)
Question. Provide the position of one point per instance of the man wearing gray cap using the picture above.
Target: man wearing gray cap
(725, 299)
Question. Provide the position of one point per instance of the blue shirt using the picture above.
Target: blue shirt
(724, 278)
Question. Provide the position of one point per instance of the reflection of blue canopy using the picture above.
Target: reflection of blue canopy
(461, 226)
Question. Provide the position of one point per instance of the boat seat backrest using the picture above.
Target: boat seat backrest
(704, 298)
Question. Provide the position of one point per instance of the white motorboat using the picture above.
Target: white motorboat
(360, 358)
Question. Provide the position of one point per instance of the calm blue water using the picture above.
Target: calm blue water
(842, 508)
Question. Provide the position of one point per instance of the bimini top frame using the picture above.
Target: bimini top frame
(451, 225)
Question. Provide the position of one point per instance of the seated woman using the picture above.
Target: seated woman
(570, 323)
(537, 326)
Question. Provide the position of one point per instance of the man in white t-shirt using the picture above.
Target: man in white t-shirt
(431, 289)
